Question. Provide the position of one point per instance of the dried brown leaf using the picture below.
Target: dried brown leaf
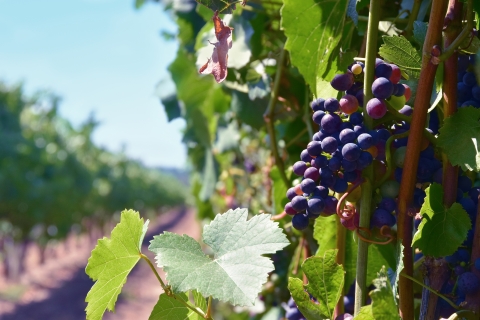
(217, 64)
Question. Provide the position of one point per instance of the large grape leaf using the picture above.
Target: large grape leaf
(462, 146)
(325, 283)
(442, 229)
(238, 269)
(400, 51)
(383, 303)
(111, 262)
(172, 309)
(314, 30)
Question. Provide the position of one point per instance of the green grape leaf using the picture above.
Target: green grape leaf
(111, 262)
(419, 32)
(248, 111)
(238, 269)
(172, 107)
(398, 269)
(461, 146)
(442, 230)
(307, 307)
(383, 303)
(223, 6)
(400, 51)
(168, 308)
(325, 280)
(199, 300)
(325, 283)
(314, 30)
(325, 232)
(365, 313)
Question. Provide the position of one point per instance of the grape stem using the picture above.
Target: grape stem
(467, 30)
(269, 117)
(388, 157)
(368, 174)
(340, 260)
(279, 216)
(415, 141)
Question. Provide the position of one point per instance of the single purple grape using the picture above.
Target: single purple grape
(332, 105)
(316, 205)
(314, 148)
(342, 82)
(347, 135)
(299, 203)
(291, 193)
(331, 123)
(329, 144)
(365, 141)
(356, 118)
(312, 173)
(308, 185)
(300, 221)
(317, 105)
(382, 88)
(351, 152)
(289, 209)
(318, 116)
(299, 168)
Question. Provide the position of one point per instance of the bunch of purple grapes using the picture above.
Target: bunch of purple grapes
(335, 156)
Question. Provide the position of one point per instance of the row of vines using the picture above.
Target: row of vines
(54, 180)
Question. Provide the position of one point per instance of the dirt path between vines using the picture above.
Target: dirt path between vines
(57, 290)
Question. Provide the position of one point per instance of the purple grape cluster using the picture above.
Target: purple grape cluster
(333, 159)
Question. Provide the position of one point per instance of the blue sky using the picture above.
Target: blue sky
(100, 56)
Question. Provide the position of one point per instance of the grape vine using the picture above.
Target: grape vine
(354, 125)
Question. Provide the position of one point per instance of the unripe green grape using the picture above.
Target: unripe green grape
(399, 156)
(390, 189)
